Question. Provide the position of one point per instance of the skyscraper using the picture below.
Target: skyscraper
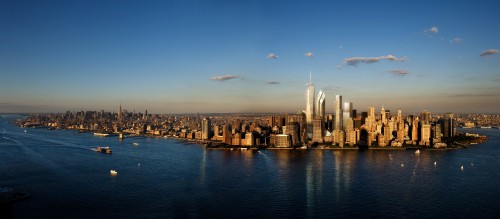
(310, 109)
(347, 113)
(205, 129)
(321, 105)
(338, 113)
(448, 125)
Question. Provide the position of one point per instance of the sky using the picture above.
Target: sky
(248, 56)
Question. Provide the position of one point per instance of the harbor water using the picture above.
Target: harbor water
(168, 178)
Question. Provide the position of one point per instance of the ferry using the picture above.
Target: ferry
(105, 150)
(101, 134)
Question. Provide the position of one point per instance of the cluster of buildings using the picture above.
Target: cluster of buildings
(345, 127)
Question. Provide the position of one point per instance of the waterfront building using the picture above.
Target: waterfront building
(206, 129)
(282, 141)
(448, 125)
(318, 130)
(293, 129)
(338, 113)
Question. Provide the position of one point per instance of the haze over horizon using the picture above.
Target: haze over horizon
(255, 56)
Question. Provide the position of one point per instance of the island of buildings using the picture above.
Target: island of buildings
(310, 128)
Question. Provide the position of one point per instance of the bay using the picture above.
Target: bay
(167, 178)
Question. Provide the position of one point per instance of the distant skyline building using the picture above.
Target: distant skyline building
(338, 113)
(310, 108)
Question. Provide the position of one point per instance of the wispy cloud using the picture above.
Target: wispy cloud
(271, 56)
(496, 79)
(432, 30)
(354, 61)
(399, 72)
(476, 95)
(272, 82)
(456, 40)
(489, 52)
(224, 77)
(309, 54)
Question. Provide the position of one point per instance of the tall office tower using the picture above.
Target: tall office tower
(310, 109)
(349, 127)
(226, 138)
(205, 128)
(400, 117)
(371, 111)
(293, 129)
(425, 131)
(120, 112)
(414, 130)
(271, 122)
(448, 125)
(347, 114)
(382, 114)
(318, 130)
(425, 117)
(338, 113)
(321, 105)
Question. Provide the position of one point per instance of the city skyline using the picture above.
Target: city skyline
(244, 57)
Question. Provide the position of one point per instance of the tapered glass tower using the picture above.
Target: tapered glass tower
(310, 108)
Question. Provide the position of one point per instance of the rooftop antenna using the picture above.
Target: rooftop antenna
(310, 77)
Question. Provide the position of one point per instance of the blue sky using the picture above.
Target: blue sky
(173, 56)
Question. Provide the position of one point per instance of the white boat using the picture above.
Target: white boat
(101, 134)
(135, 144)
(435, 163)
(402, 165)
(462, 167)
(243, 149)
(113, 172)
(417, 151)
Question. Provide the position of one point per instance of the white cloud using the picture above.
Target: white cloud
(271, 56)
(399, 72)
(309, 54)
(489, 52)
(432, 30)
(456, 40)
(224, 77)
(354, 61)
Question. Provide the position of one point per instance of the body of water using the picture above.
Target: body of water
(165, 178)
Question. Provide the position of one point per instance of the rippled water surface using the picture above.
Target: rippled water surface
(165, 178)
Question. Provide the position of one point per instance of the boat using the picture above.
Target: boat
(402, 165)
(435, 163)
(105, 150)
(135, 144)
(417, 151)
(101, 134)
(113, 172)
(462, 167)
